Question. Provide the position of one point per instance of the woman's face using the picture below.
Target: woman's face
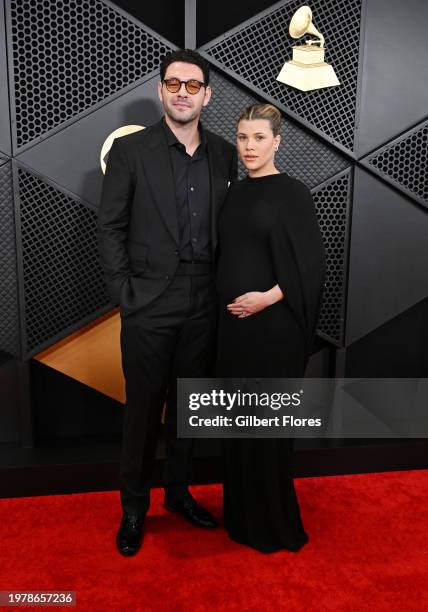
(256, 143)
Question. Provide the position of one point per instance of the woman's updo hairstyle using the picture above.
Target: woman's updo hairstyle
(263, 111)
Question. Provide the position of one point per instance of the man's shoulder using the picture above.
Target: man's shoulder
(147, 133)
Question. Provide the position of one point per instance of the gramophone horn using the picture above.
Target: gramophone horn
(301, 24)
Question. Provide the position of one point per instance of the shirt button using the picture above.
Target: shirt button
(167, 277)
(194, 239)
(175, 252)
(193, 214)
(192, 189)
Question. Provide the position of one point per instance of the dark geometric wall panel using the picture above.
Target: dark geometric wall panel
(256, 51)
(9, 309)
(63, 282)
(70, 55)
(394, 92)
(404, 162)
(80, 69)
(77, 169)
(5, 143)
(300, 153)
(388, 255)
(332, 202)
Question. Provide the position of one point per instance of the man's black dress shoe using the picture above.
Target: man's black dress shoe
(130, 535)
(189, 509)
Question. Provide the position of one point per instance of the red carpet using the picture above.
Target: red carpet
(368, 549)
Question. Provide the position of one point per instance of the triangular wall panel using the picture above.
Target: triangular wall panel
(394, 71)
(62, 276)
(388, 255)
(404, 163)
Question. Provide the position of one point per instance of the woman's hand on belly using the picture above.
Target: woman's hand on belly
(254, 301)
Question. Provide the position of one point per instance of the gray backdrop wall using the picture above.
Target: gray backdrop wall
(72, 72)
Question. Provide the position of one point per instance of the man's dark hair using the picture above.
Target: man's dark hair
(190, 57)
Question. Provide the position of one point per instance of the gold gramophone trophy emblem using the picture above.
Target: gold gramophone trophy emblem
(307, 70)
(122, 131)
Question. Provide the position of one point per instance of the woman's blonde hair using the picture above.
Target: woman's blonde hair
(263, 111)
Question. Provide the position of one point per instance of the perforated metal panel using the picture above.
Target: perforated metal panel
(9, 323)
(300, 154)
(332, 202)
(68, 57)
(405, 163)
(257, 50)
(5, 140)
(63, 281)
(71, 54)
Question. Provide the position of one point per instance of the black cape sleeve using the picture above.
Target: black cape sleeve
(298, 256)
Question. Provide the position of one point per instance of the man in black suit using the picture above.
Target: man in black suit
(157, 223)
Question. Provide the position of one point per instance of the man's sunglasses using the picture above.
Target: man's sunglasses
(192, 85)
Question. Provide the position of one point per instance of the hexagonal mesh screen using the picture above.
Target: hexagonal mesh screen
(63, 280)
(258, 50)
(9, 310)
(332, 202)
(300, 154)
(69, 55)
(405, 162)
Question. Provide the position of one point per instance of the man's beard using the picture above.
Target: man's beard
(178, 118)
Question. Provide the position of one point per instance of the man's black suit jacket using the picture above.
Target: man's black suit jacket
(137, 218)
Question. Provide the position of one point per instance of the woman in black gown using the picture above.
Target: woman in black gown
(270, 279)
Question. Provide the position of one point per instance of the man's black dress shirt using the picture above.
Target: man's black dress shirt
(192, 188)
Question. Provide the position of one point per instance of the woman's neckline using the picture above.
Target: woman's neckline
(265, 176)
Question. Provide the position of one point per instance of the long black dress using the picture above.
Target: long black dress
(268, 235)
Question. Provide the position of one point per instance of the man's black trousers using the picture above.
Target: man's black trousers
(174, 336)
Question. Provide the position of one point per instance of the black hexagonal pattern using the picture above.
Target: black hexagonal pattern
(332, 202)
(63, 280)
(405, 162)
(71, 54)
(9, 309)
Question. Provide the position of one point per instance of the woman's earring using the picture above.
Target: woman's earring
(276, 148)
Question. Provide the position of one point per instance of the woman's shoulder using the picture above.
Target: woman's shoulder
(291, 200)
(281, 184)
(297, 192)
(295, 184)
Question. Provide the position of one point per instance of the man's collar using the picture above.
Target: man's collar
(170, 136)
(173, 140)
